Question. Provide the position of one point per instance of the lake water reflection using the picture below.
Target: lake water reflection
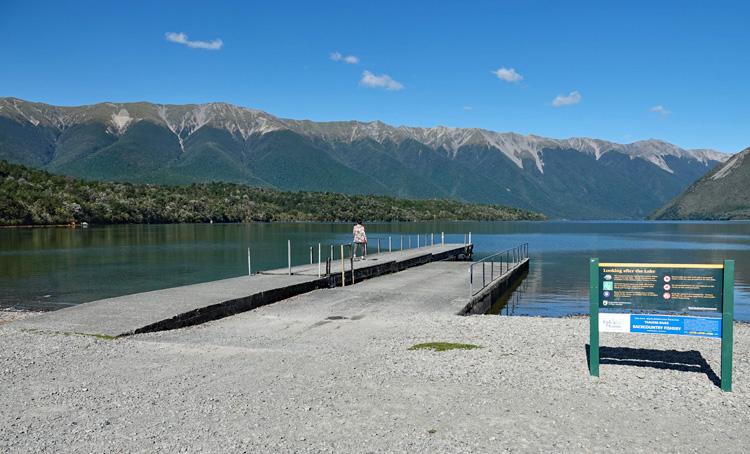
(53, 268)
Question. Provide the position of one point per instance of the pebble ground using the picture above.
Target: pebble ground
(331, 372)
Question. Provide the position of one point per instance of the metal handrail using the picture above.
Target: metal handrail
(402, 242)
(507, 257)
(422, 240)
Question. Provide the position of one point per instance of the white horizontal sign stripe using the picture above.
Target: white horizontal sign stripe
(614, 323)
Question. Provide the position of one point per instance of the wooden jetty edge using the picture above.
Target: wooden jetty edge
(199, 303)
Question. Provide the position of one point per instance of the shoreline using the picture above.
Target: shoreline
(10, 314)
(92, 225)
(448, 221)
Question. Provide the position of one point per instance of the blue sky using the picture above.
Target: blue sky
(622, 71)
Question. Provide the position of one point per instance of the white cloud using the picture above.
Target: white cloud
(350, 59)
(380, 81)
(508, 75)
(661, 110)
(468, 108)
(562, 100)
(181, 38)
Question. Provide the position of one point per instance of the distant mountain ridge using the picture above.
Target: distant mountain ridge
(723, 193)
(145, 142)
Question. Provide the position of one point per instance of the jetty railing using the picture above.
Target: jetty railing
(345, 251)
(495, 264)
(394, 243)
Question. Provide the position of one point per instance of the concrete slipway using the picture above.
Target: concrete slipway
(194, 304)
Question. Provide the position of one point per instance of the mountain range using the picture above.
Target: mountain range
(723, 193)
(577, 178)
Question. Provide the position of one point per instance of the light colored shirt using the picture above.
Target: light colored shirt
(359, 234)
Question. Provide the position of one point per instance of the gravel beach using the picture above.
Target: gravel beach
(331, 371)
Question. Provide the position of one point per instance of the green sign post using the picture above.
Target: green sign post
(652, 298)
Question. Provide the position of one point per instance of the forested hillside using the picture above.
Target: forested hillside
(721, 195)
(34, 197)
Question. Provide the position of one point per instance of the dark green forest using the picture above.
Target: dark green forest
(35, 197)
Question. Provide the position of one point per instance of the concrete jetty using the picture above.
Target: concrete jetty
(198, 303)
(481, 302)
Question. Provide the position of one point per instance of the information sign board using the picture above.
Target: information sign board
(667, 287)
(661, 298)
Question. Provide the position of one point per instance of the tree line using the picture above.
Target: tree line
(36, 197)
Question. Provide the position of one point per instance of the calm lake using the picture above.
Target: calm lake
(50, 268)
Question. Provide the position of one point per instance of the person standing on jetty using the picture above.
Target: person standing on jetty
(360, 239)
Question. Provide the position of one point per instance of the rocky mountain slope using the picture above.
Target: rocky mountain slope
(177, 144)
(722, 194)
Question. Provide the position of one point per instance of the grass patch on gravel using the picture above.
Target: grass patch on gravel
(443, 346)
